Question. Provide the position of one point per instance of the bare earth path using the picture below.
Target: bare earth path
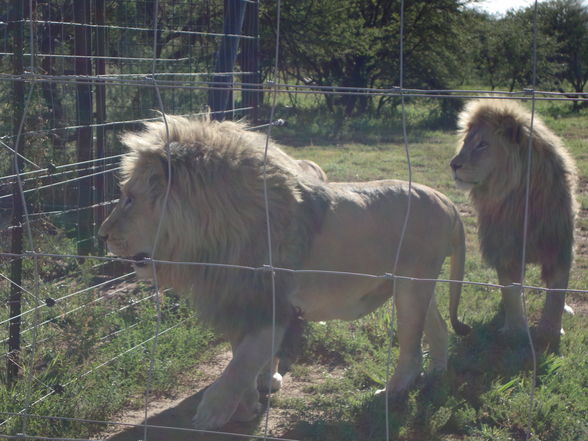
(173, 415)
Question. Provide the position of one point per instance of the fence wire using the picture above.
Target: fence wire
(45, 178)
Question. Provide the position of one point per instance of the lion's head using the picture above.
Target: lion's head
(492, 163)
(131, 228)
(493, 151)
(201, 183)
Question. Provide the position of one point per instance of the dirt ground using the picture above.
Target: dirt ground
(169, 419)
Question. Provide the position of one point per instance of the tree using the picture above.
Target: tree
(355, 43)
(567, 22)
(504, 54)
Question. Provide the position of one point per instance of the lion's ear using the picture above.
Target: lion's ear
(512, 130)
(158, 175)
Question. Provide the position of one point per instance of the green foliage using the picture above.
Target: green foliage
(92, 357)
(502, 52)
(567, 22)
(355, 44)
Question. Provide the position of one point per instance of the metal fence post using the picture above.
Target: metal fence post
(219, 95)
(83, 67)
(249, 62)
(15, 298)
(100, 92)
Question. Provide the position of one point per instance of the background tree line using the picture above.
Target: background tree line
(447, 45)
(350, 43)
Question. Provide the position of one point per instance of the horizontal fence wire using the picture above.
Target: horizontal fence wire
(267, 268)
(130, 425)
(86, 373)
(113, 124)
(131, 28)
(146, 81)
(59, 299)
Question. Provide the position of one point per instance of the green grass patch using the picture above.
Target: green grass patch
(486, 394)
(94, 358)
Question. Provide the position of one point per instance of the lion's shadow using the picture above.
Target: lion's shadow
(175, 424)
(476, 364)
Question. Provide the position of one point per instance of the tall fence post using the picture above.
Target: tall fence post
(249, 62)
(100, 93)
(83, 67)
(16, 23)
(220, 92)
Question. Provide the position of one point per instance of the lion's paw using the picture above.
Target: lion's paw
(208, 418)
(247, 412)
(548, 336)
(514, 329)
(216, 408)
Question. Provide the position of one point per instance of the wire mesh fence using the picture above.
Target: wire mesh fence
(78, 73)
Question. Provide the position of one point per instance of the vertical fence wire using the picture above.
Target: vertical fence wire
(36, 277)
(404, 224)
(162, 216)
(267, 207)
(526, 228)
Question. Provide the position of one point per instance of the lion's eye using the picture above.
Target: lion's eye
(481, 146)
(128, 202)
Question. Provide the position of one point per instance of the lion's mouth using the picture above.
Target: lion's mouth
(140, 260)
(463, 184)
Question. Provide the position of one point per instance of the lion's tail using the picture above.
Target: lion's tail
(457, 273)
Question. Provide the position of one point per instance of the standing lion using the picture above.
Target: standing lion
(204, 183)
(492, 164)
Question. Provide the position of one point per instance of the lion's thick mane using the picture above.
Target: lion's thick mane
(500, 200)
(216, 213)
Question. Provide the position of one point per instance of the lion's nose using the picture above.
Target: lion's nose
(455, 164)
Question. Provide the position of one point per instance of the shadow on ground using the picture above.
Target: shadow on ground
(174, 424)
(475, 363)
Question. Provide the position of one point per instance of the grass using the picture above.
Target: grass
(486, 392)
(92, 353)
(484, 396)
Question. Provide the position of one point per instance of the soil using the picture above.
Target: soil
(169, 418)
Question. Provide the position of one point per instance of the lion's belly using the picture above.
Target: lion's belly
(329, 297)
(360, 235)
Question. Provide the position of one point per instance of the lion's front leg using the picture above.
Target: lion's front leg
(234, 394)
(512, 302)
(550, 326)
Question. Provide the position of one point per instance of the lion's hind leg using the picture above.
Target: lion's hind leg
(412, 303)
(437, 337)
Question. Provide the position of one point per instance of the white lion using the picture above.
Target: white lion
(492, 162)
(216, 215)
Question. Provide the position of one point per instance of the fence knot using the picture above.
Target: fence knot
(49, 301)
(51, 168)
(265, 268)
